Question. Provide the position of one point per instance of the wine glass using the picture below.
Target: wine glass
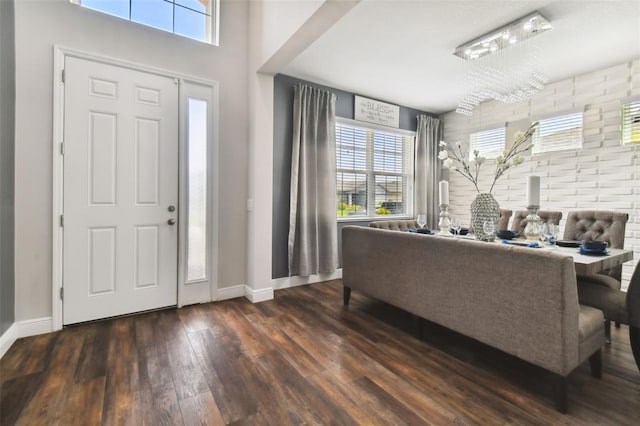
(489, 228)
(421, 220)
(550, 233)
(455, 225)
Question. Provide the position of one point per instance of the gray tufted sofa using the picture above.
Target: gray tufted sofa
(527, 306)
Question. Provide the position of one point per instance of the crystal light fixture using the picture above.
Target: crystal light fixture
(503, 64)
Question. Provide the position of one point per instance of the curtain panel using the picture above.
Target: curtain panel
(427, 168)
(313, 233)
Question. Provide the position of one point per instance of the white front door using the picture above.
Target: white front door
(120, 240)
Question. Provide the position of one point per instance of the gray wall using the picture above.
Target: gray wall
(282, 134)
(7, 149)
(42, 24)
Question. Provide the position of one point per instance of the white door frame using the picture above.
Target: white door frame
(198, 292)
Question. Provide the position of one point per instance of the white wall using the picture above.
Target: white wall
(42, 24)
(602, 175)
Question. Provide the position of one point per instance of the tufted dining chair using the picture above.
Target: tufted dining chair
(599, 225)
(503, 222)
(520, 219)
(619, 306)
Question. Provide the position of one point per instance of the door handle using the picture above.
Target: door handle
(171, 208)
(171, 221)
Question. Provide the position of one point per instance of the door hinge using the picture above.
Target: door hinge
(62, 76)
(61, 148)
(61, 293)
(62, 221)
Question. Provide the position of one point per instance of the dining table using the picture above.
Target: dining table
(585, 264)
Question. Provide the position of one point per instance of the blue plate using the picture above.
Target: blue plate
(594, 252)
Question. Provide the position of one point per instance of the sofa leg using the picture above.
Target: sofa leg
(346, 294)
(634, 337)
(595, 362)
(560, 393)
(607, 332)
(617, 324)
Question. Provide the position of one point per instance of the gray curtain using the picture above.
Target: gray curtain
(427, 170)
(313, 233)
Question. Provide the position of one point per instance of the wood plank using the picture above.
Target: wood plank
(200, 409)
(302, 358)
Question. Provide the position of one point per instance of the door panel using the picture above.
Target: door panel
(120, 177)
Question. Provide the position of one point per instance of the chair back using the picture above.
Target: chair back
(598, 225)
(395, 225)
(503, 222)
(520, 218)
(633, 298)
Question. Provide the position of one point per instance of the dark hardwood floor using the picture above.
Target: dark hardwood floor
(300, 359)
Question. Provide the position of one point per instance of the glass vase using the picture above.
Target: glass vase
(483, 208)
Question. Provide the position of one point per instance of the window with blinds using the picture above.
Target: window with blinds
(558, 133)
(490, 143)
(374, 171)
(631, 122)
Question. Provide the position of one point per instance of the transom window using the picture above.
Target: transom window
(490, 143)
(631, 122)
(558, 133)
(374, 171)
(196, 19)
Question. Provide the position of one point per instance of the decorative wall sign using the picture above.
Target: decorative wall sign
(377, 112)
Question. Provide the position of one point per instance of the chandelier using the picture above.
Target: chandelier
(503, 64)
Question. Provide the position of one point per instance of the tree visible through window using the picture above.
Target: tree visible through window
(196, 19)
(374, 171)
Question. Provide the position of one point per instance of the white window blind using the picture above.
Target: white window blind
(490, 143)
(374, 171)
(631, 122)
(558, 133)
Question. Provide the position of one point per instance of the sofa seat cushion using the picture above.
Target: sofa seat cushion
(590, 331)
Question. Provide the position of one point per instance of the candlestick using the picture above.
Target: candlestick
(444, 223)
(444, 192)
(533, 230)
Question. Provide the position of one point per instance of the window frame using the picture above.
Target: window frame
(212, 24)
(631, 109)
(371, 173)
(489, 155)
(535, 150)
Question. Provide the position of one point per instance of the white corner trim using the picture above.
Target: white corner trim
(24, 329)
(257, 296)
(7, 339)
(294, 281)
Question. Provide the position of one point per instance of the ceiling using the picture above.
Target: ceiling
(402, 51)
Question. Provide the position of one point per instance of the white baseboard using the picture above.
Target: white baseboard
(231, 292)
(287, 282)
(257, 296)
(24, 329)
